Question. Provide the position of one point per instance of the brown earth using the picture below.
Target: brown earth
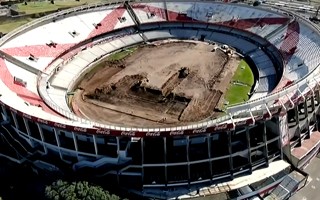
(171, 83)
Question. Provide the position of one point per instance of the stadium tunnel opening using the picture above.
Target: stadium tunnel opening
(255, 72)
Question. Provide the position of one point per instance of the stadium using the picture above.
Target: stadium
(168, 99)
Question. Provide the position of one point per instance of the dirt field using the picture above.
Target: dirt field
(157, 85)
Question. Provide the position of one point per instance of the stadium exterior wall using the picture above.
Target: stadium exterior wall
(190, 151)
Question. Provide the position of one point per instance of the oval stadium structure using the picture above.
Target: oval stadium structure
(164, 148)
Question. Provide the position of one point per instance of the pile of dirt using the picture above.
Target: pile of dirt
(201, 107)
(119, 89)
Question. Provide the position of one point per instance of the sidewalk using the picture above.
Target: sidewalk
(311, 190)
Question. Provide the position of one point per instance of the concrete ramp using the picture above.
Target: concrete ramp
(19, 63)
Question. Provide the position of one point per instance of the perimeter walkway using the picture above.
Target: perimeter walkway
(311, 190)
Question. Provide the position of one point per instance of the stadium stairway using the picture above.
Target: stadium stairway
(288, 186)
(101, 167)
(21, 144)
(20, 150)
(301, 155)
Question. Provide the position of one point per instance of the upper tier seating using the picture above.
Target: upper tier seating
(256, 21)
(149, 12)
(300, 48)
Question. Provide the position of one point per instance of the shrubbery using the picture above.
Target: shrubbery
(62, 190)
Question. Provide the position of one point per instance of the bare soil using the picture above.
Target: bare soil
(160, 84)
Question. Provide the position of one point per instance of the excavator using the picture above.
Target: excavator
(315, 19)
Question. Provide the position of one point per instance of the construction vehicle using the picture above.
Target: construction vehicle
(315, 19)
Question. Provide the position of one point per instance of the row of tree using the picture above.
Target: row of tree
(82, 190)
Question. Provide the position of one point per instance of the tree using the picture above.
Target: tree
(62, 190)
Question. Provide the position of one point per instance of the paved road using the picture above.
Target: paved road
(312, 190)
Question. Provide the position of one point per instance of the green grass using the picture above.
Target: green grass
(237, 93)
(45, 6)
(121, 54)
(9, 25)
(38, 7)
(244, 74)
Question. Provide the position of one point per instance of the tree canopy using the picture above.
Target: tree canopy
(82, 190)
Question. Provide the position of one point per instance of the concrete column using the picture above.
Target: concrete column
(230, 153)
(118, 172)
(5, 114)
(265, 140)
(249, 147)
(27, 126)
(307, 117)
(2, 110)
(209, 154)
(305, 108)
(142, 160)
(279, 140)
(188, 161)
(299, 134)
(312, 103)
(95, 144)
(42, 139)
(296, 114)
(15, 120)
(75, 144)
(1, 115)
(316, 121)
(31, 141)
(118, 144)
(317, 96)
(165, 161)
(58, 142)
